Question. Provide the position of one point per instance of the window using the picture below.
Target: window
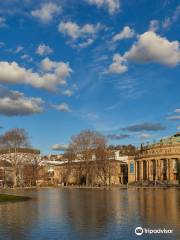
(131, 167)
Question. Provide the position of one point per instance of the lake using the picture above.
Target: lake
(80, 213)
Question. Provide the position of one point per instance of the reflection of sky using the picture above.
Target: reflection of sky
(89, 213)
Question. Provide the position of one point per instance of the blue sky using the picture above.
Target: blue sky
(106, 65)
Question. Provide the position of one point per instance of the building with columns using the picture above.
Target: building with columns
(157, 163)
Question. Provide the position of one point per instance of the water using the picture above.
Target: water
(56, 213)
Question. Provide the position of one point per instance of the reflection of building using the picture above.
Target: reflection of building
(159, 162)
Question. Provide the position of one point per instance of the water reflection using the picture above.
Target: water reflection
(90, 213)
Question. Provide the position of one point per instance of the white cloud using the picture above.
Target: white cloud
(46, 13)
(172, 19)
(145, 136)
(87, 43)
(19, 49)
(63, 107)
(150, 47)
(14, 103)
(85, 33)
(111, 5)
(127, 32)
(166, 23)
(27, 57)
(176, 117)
(154, 25)
(50, 79)
(43, 50)
(177, 110)
(67, 93)
(60, 147)
(118, 65)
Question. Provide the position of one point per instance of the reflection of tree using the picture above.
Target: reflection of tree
(91, 211)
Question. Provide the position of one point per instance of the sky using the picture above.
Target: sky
(107, 65)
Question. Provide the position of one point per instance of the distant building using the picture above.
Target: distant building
(17, 166)
(157, 163)
(112, 171)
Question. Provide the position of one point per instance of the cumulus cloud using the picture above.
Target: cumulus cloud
(53, 74)
(150, 47)
(127, 32)
(111, 5)
(144, 127)
(59, 147)
(44, 50)
(119, 64)
(14, 103)
(85, 34)
(46, 12)
(63, 107)
(117, 136)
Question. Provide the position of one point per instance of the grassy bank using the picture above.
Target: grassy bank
(12, 198)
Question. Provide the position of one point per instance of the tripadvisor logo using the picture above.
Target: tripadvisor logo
(139, 231)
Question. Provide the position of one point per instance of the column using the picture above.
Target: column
(156, 177)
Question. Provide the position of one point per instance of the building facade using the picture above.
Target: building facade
(97, 173)
(18, 166)
(157, 163)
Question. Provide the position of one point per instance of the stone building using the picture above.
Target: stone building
(100, 173)
(17, 166)
(157, 163)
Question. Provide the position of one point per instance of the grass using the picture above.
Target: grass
(12, 198)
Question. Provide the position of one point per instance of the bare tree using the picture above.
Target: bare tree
(86, 145)
(13, 139)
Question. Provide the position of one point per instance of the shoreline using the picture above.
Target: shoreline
(94, 187)
(13, 198)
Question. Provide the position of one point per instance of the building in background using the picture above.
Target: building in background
(18, 166)
(101, 172)
(157, 163)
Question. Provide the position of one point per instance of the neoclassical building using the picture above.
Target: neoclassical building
(157, 163)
